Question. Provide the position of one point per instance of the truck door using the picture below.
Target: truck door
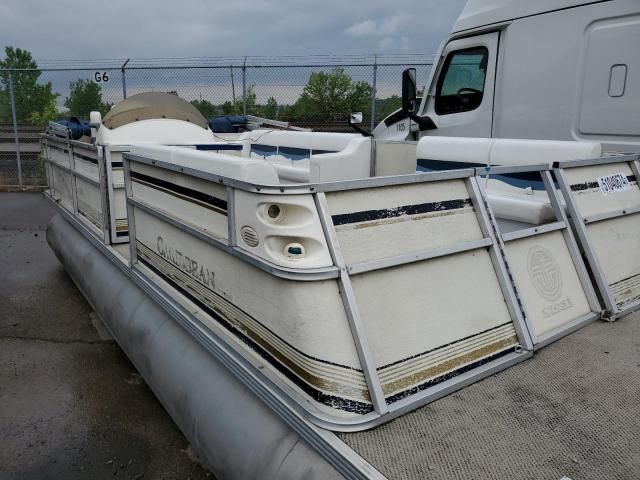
(460, 98)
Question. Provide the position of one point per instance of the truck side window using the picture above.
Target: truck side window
(461, 85)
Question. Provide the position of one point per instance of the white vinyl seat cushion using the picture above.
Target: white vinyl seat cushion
(504, 151)
(314, 157)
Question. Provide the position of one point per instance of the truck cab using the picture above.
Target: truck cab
(553, 70)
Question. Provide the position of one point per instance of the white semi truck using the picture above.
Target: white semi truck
(545, 69)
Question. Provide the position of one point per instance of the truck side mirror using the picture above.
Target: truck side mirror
(409, 90)
(355, 118)
(410, 100)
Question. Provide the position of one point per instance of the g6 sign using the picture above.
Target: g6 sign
(101, 77)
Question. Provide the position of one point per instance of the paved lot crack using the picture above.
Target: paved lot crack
(55, 340)
(23, 228)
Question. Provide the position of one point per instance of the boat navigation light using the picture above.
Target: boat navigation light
(294, 251)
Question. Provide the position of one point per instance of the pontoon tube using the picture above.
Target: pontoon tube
(231, 429)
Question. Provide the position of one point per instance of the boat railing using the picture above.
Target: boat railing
(603, 198)
(165, 233)
(417, 262)
(364, 299)
(76, 175)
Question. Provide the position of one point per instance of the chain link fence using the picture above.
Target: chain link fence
(316, 92)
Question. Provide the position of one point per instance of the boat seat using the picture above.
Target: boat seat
(463, 152)
(450, 153)
(314, 157)
(518, 197)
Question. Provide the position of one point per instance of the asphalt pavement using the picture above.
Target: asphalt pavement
(71, 405)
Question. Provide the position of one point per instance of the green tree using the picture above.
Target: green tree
(229, 108)
(49, 113)
(206, 108)
(252, 102)
(332, 96)
(235, 108)
(270, 110)
(85, 97)
(386, 106)
(33, 100)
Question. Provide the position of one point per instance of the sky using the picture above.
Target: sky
(90, 29)
(90, 33)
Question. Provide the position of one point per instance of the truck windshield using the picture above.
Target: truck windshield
(461, 84)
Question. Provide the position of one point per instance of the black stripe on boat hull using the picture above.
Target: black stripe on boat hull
(85, 158)
(217, 203)
(370, 215)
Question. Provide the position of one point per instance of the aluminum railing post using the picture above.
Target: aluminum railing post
(15, 129)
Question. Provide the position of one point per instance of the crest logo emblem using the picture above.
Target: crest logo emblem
(544, 273)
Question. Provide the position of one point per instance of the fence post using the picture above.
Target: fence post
(124, 81)
(373, 92)
(244, 86)
(233, 87)
(15, 128)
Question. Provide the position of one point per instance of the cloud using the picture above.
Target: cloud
(395, 30)
(385, 44)
(404, 42)
(362, 29)
(395, 23)
(169, 32)
(68, 29)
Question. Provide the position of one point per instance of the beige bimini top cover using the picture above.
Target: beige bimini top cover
(151, 105)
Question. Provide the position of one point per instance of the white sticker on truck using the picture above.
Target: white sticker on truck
(617, 182)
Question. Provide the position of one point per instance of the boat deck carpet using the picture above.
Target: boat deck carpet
(573, 410)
